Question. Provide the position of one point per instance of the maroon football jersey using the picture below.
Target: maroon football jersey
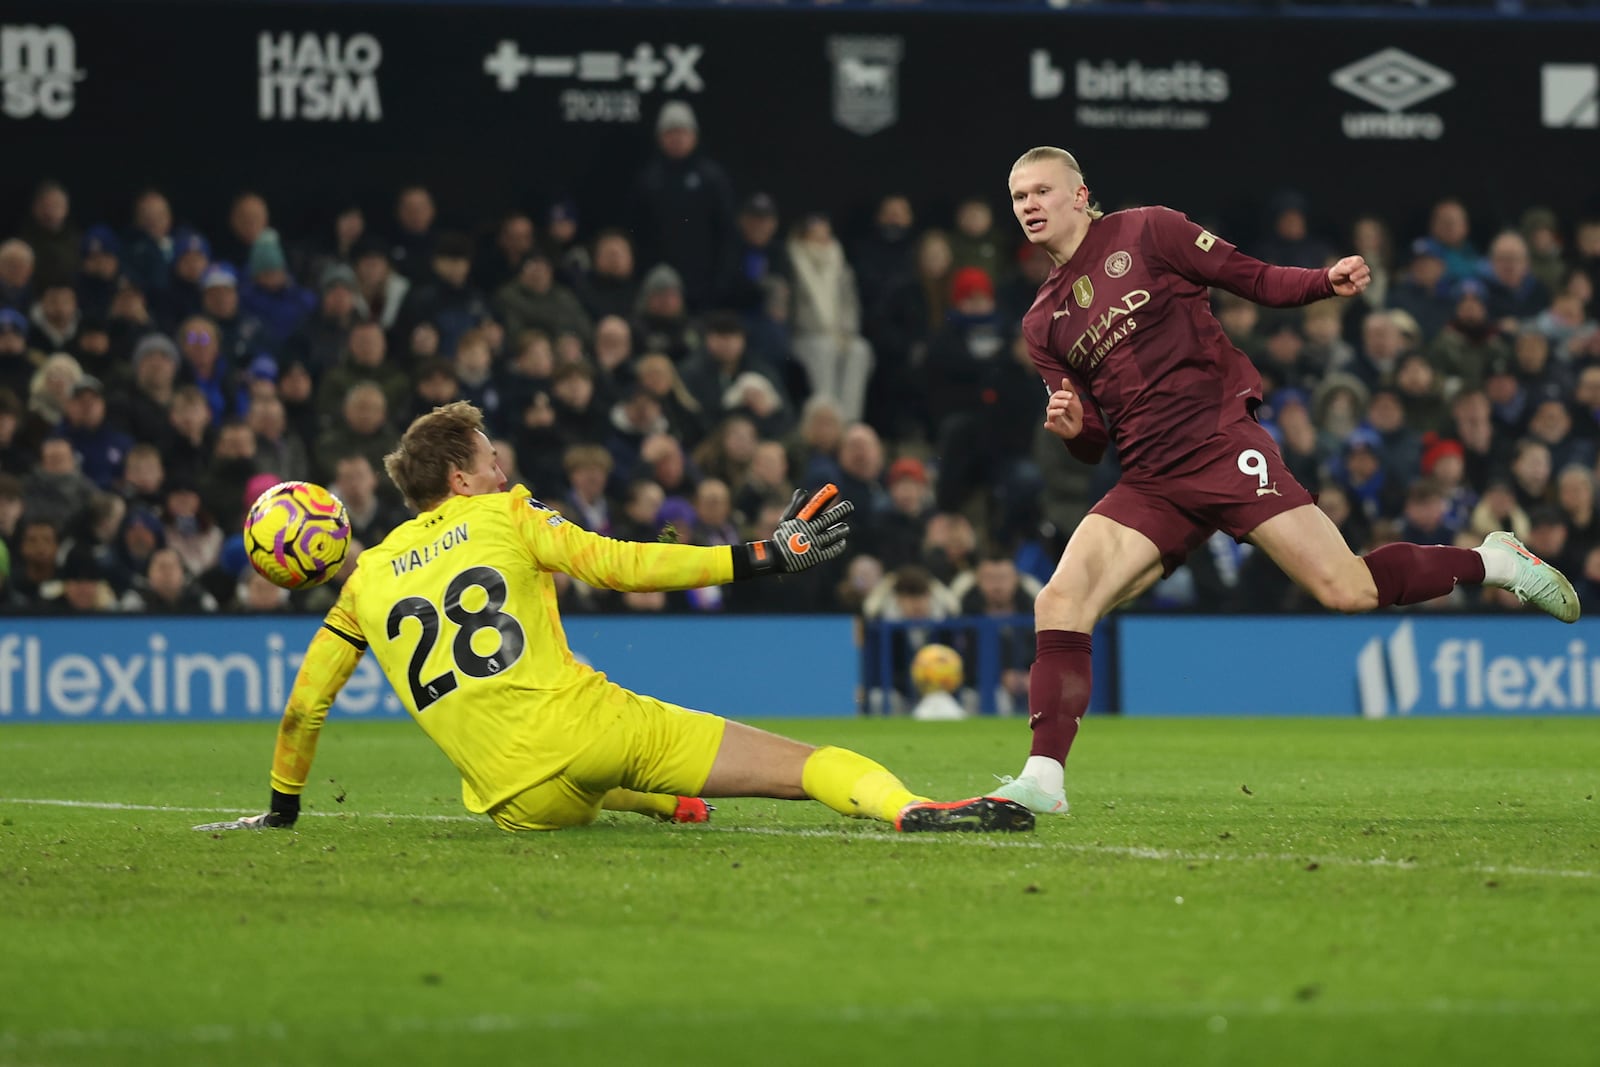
(1127, 320)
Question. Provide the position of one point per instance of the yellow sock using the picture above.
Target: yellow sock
(853, 785)
(657, 804)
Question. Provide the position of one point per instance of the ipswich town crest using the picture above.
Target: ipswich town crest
(866, 82)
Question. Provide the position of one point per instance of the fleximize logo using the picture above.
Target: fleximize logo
(1391, 677)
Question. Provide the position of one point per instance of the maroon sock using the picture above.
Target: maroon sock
(1409, 574)
(1058, 691)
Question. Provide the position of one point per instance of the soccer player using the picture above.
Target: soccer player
(459, 606)
(1123, 334)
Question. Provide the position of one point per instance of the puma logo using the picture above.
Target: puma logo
(1271, 490)
(1058, 314)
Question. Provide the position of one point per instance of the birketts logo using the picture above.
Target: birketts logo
(38, 72)
(1390, 678)
(1393, 81)
(866, 82)
(1113, 94)
(1570, 96)
(667, 68)
(318, 78)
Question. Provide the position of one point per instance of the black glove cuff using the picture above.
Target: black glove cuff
(754, 558)
(285, 808)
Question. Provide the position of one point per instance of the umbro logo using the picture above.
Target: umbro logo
(1392, 79)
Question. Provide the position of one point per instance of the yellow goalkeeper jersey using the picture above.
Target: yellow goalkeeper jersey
(459, 606)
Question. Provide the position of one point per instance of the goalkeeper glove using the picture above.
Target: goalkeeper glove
(804, 538)
(284, 811)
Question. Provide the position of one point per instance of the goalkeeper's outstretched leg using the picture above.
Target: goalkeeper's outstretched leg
(754, 763)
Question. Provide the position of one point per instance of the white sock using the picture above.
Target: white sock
(1499, 569)
(1049, 774)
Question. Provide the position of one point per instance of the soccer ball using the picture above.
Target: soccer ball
(936, 669)
(297, 534)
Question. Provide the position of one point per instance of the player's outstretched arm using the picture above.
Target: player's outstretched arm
(1203, 257)
(330, 660)
(809, 532)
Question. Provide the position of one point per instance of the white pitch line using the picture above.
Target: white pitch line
(1213, 1015)
(111, 805)
(1160, 855)
(1145, 853)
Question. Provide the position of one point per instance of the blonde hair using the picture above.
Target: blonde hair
(1066, 159)
(577, 457)
(40, 398)
(439, 442)
(677, 390)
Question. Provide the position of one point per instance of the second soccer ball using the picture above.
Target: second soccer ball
(936, 669)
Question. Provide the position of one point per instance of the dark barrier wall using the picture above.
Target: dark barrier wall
(496, 107)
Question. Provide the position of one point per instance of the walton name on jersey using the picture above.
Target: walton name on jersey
(420, 557)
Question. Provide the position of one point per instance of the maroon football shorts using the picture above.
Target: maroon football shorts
(1234, 483)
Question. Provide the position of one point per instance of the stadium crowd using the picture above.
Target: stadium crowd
(677, 370)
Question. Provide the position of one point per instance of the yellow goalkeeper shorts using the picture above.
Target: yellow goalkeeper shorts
(651, 747)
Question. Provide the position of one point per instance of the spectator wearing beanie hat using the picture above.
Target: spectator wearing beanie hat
(100, 270)
(243, 336)
(102, 448)
(18, 362)
(897, 535)
(761, 256)
(191, 258)
(1444, 461)
(661, 319)
(967, 283)
(1436, 449)
(971, 339)
(271, 294)
(683, 209)
(84, 589)
(321, 339)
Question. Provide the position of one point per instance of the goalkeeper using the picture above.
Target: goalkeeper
(459, 607)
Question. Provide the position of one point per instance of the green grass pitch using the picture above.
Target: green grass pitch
(1225, 892)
